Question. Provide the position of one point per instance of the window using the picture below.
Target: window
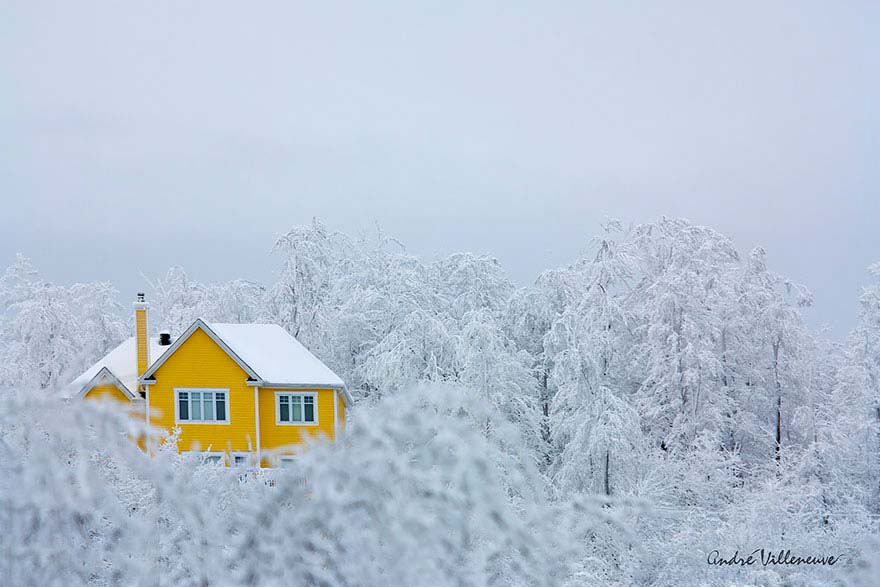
(202, 406)
(297, 408)
(234, 460)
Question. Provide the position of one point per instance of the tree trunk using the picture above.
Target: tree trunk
(545, 419)
(878, 454)
(778, 428)
(776, 345)
(607, 474)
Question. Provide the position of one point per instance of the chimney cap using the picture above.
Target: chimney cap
(140, 302)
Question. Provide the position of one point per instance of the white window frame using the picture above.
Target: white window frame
(177, 420)
(205, 455)
(278, 395)
(226, 459)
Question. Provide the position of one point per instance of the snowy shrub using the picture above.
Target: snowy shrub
(419, 492)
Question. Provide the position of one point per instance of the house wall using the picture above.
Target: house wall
(109, 392)
(274, 437)
(200, 363)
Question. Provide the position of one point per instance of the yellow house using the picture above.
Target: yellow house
(240, 393)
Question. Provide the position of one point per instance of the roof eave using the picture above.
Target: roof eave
(275, 385)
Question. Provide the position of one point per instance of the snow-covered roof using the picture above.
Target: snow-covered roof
(269, 355)
(121, 362)
(275, 355)
(105, 377)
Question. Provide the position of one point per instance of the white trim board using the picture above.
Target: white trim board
(99, 378)
(310, 386)
(257, 425)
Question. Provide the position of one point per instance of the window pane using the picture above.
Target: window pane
(196, 405)
(309, 409)
(240, 460)
(296, 404)
(221, 407)
(284, 408)
(208, 402)
(183, 406)
(215, 459)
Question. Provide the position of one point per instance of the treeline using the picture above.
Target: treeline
(663, 365)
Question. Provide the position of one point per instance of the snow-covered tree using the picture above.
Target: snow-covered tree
(50, 333)
(658, 397)
(300, 298)
(177, 300)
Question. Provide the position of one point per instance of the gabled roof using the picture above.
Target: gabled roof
(100, 377)
(266, 352)
(122, 364)
(199, 324)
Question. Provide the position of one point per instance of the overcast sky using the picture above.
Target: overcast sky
(138, 135)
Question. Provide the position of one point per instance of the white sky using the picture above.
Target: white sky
(138, 135)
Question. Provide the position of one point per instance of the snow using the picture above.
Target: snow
(122, 362)
(646, 381)
(275, 355)
(268, 349)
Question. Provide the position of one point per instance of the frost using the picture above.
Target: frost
(613, 423)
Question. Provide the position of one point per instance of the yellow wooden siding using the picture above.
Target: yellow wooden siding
(107, 392)
(140, 330)
(274, 436)
(341, 413)
(200, 363)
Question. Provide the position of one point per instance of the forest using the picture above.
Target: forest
(614, 423)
